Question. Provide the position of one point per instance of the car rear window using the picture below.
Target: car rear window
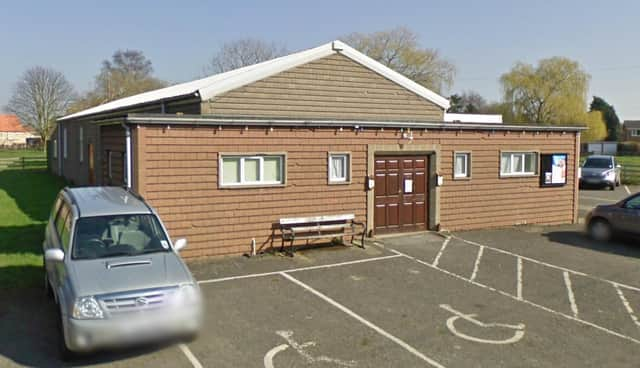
(598, 163)
(116, 236)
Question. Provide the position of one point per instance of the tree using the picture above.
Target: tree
(469, 102)
(610, 117)
(128, 73)
(597, 128)
(553, 92)
(243, 52)
(39, 97)
(400, 50)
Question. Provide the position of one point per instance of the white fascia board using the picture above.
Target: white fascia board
(254, 73)
(391, 74)
(473, 118)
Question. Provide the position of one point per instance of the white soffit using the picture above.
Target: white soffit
(218, 84)
(473, 118)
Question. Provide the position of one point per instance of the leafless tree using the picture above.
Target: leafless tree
(39, 97)
(243, 52)
(400, 50)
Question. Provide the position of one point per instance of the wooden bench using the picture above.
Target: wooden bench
(316, 227)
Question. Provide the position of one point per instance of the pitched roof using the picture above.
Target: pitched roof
(217, 84)
(632, 124)
(11, 123)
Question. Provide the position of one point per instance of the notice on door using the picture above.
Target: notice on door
(408, 185)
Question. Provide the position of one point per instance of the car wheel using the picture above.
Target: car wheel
(600, 229)
(66, 355)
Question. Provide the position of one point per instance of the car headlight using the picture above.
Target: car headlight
(610, 174)
(87, 308)
(189, 294)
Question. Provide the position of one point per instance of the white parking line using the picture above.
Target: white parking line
(476, 266)
(598, 327)
(361, 319)
(570, 295)
(627, 306)
(192, 358)
(627, 189)
(444, 245)
(252, 275)
(519, 273)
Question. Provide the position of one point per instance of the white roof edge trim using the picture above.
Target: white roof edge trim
(391, 74)
(217, 84)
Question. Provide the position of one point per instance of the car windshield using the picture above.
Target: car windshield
(121, 235)
(598, 163)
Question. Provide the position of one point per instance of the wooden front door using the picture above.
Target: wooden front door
(401, 199)
(92, 169)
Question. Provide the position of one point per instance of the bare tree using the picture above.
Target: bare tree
(39, 97)
(243, 52)
(400, 50)
(128, 73)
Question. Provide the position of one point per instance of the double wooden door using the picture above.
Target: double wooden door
(401, 193)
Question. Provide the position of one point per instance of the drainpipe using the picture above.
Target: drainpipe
(127, 130)
(59, 150)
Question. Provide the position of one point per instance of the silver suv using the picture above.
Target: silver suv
(114, 272)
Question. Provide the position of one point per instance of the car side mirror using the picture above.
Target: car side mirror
(618, 166)
(180, 244)
(54, 255)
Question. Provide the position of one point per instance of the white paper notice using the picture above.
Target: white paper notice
(408, 185)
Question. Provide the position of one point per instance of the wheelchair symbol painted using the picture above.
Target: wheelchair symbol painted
(517, 335)
(300, 348)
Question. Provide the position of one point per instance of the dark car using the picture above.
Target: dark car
(621, 218)
(600, 170)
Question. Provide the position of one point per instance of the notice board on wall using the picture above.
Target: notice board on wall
(553, 169)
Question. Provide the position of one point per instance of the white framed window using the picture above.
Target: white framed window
(110, 164)
(54, 148)
(461, 165)
(339, 167)
(518, 163)
(635, 132)
(238, 170)
(64, 143)
(81, 144)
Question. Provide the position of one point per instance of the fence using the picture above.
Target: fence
(23, 163)
(631, 174)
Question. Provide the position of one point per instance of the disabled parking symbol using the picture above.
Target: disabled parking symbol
(518, 330)
(300, 348)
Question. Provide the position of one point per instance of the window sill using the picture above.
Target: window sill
(462, 178)
(508, 176)
(347, 182)
(250, 186)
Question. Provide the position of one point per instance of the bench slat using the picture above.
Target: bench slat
(326, 218)
(306, 229)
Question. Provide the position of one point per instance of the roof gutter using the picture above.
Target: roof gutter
(206, 121)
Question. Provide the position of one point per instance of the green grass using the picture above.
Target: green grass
(6, 153)
(630, 169)
(26, 197)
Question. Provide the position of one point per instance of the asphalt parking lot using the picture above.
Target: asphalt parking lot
(528, 296)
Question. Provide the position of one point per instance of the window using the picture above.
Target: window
(63, 226)
(339, 167)
(462, 165)
(54, 147)
(81, 140)
(633, 203)
(518, 163)
(252, 170)
(64, 143)
(635, 132)
(109, 164)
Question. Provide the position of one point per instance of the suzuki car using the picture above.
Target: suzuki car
(114, 273)
(600, 170)
(605, 221)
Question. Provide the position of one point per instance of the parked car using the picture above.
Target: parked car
(114, 273)
(600, 170)
(623, 217)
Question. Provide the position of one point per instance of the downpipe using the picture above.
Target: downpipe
(127, 130)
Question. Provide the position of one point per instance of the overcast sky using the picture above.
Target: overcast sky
(482, 38)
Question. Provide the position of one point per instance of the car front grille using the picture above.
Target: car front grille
(136, 301)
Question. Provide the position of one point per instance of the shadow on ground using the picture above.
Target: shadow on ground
(28, 321)
(623, 246)
(33, 190)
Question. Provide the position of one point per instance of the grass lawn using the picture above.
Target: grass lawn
(5, 153)
(630, 169)
(26, 197)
